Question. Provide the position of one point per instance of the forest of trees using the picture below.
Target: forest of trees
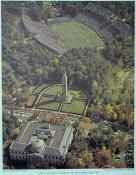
(108, 76)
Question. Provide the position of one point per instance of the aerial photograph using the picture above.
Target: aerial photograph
(67, 84)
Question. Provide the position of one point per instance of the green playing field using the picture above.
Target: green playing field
(74, 34)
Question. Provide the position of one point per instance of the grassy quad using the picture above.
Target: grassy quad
(48, 103)
(53, 90)
(40, 88)
(77, 107)
(78, 94)
(74, 34)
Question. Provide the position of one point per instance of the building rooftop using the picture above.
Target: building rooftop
(26, 132)
(36, 137)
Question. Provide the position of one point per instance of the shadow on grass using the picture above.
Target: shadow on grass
(48, 95)
(46, 102)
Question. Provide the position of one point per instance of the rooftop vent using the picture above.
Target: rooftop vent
(43, 133)
(46, 126)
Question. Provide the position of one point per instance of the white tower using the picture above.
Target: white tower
(64, 95)
(64, 88)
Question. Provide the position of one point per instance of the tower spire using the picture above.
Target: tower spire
(64, 89)
(64, 95)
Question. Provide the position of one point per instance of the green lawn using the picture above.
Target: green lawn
(53, 90)
(74, 34)
(78, 94)
(77, 106)
(48, 103)
(40, 88)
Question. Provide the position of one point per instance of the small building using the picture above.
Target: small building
(39, 143)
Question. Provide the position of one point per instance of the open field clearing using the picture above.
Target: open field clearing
(74, 34)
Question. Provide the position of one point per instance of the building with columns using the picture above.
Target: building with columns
(40, 143)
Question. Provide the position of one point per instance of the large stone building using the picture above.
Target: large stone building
(42, 143)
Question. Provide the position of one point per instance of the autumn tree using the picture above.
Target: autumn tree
(84, 127)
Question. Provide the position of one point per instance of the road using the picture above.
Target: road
(76, 117)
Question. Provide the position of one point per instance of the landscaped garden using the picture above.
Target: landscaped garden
(77, 107)
(48, 101)
(78, 93)
(39, 89)
(53, 90)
